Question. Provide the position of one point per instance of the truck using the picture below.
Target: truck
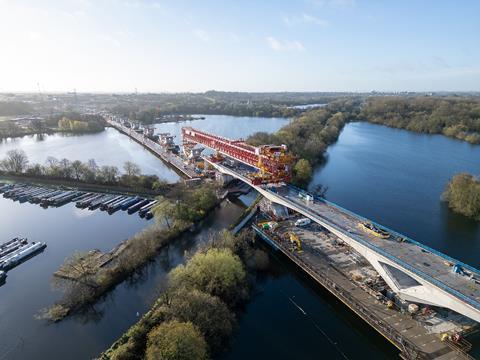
(305, 196)
(303, 222)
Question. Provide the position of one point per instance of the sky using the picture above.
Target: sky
(239, 45)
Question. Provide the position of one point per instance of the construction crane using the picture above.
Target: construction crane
(274, 162)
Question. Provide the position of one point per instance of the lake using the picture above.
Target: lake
(65, 230)
(113, 148)
(394, 177)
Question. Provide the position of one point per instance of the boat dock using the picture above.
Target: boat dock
(171, 159)
(16, 251)
(85, 200)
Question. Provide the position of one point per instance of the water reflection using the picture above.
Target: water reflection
(397, 177)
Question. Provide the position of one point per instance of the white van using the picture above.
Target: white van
(303, 222)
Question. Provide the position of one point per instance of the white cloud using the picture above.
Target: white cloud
(284, 45)
(304, 19)
(201, 35)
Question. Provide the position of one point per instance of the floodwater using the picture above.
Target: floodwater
(110, 147)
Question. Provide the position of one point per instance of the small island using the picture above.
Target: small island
(463, 195)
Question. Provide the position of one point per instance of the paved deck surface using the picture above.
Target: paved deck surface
(433, 266)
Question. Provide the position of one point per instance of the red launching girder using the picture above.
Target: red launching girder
(274, 163)
(237, 149)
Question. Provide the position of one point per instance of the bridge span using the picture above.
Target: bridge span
(414, 271)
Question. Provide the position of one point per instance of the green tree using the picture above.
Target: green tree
(217, 271)
(463, 195)
(208, 313)
(165, 212)
(176, 341)
(302, 172)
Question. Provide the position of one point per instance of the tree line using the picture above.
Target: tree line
(454, 117)
(17, 163)
(309, 135)
(71, 122)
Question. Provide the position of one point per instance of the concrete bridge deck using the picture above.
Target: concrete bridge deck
(415, 272)
(328, 266)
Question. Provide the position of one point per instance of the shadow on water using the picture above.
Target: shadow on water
(290, 316)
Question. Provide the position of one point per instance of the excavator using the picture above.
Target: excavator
(294, 239)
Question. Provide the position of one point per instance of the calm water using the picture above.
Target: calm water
(107, 148)
(112, 148)
(234, 127)
(65, 230)
(394, 177)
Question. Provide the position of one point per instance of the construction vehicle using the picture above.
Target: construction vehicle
(303, 222)
(305, 196)
(374, 230)
(295, 240)
(268, 225)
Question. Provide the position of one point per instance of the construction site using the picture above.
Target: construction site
(424, 302)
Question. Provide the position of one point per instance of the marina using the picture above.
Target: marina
(48, 197)
(16, 251)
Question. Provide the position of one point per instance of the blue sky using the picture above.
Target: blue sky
(304, 45)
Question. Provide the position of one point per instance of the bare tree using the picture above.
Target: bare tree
(77, 168)
(131, 169)
(16, 161)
